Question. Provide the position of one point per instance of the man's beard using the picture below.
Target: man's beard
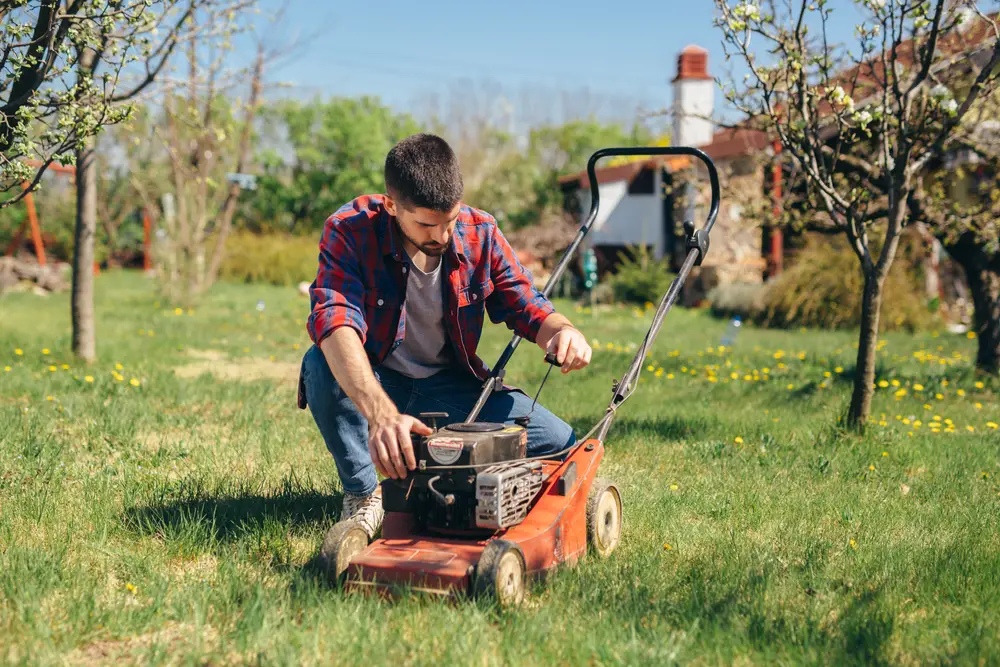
(431, 250)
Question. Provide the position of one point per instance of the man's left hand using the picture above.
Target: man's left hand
(570, 349)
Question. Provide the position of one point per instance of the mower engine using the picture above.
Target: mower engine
(445, 494)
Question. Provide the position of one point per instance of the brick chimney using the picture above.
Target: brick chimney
(694, 99)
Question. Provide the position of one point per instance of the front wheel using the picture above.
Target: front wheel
(500, 573)
(345, 540)
(604, 517)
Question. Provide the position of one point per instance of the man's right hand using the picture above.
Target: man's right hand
(390, 446)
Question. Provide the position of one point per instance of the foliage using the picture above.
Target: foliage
(51, 103)
(274, 259)
(823, 289)
(746, 300)
(640, 278)
(337, 152)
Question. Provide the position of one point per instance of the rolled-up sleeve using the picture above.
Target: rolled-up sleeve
(337, 294)
(515, 300)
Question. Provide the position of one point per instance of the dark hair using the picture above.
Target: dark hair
(422, 171)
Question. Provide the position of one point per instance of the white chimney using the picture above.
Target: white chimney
(694, 93)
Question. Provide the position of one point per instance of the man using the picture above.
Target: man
(398, 306)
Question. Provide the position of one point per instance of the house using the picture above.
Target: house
(640, 206)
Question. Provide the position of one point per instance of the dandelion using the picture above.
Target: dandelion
(130, 588)
(670, 376)
(178, 311)
(992, 425)
(791, 387)
(673, 487)
(18, 351)
(980, 385)
(854, 545)
(970, 429)
(885, 454)
(838, 369)
(895, 383)
(871, 468)
(779, 354)
(52, 369)
(45, 350)
(927, 406)
(134, 382)
(739, 441)
(826, 374)
(65, 367)
(900, 393)
(118, 366)
(49, 398)
(667, 547)
(117, 376)
(89, 378)
(918, 387)
(938, 396)
(971, 335)
(883, 384)
(960, 392)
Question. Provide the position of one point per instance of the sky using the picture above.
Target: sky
(549, 58)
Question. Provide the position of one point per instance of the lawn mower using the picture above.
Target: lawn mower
(479, 516)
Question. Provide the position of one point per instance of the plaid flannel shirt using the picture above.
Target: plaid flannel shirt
(362, 275)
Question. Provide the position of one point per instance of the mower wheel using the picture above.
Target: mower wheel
(604, 517)
(344, 541)
(500, 573)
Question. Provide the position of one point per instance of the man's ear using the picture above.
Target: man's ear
(390, 205)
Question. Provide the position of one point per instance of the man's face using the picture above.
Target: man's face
(428, 230)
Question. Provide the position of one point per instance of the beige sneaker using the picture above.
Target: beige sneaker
(365, 510)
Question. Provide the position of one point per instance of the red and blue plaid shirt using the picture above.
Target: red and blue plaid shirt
(363, 268)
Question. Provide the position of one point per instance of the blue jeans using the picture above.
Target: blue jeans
(345, 430)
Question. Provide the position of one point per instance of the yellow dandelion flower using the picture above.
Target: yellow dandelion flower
(49, 398)
(134, 382)
(45, 350)
(152, 333)
(927, 406)
(871, 467)
(673, 487)
(748, 378)
(938, 396)
(52, 369)
(801, 355)
(826, 374)
(883, 423)
(918, 387)
(667, 547)
(970, 429)
(118, 367)
(781, 366)
(178, 311)
(960, 392)
(779, 354)
(838, 369)
(791, 387)
(885, 453)
(130, 588)
(650, 368)
(971, 335)
(670, 376)
(88, 378)
(980, 385)
(734, 375)
(979, 406)
(18, 351)
(883, 384)
(295, 346)
(854, 545)
(992, 425)
(659, 372)
(6, 369)
(65, 367)
(894, 383)
(738, 440)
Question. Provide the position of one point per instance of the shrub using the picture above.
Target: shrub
(824, 286)
(747, 300)
(276, 259)
(640, 278)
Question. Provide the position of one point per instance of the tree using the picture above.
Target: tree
(336, 151)
(863, 126)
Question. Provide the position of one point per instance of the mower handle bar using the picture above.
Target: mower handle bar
(495, 379)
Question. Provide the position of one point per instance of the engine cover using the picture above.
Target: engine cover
(447, 499)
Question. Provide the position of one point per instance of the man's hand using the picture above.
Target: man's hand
(570, 348)
(390, 446)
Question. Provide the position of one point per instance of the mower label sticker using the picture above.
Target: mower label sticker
(445, 450)
(512, 429)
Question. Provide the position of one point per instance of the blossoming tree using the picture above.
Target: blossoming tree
(862, 125)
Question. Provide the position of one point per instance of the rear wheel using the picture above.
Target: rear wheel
(500, 573)
(604, 517)
(344, 541)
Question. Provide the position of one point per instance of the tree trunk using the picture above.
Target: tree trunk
(982, 271)
(864, 380)
(985, 287)
(82, 309)
(84, 334)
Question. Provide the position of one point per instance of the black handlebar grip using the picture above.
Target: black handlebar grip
(551, 358)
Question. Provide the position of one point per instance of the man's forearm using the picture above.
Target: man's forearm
(553, 324)
(346, 356)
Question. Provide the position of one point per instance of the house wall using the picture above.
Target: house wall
(624, 219)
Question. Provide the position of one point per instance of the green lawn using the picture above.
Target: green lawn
(163, 504)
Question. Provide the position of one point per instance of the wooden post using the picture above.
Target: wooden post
(36, 232)
(777, 250)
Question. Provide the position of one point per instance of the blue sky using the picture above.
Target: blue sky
(546, 57)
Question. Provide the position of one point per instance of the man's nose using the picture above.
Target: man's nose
(441, 237)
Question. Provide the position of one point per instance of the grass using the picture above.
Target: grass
(167, 510)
